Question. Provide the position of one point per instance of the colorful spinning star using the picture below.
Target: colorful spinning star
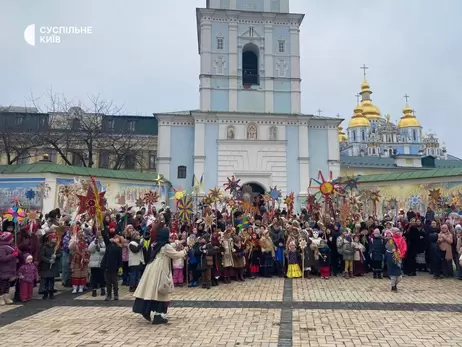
(350, 183)
(151, 197)
(185, 208)
(15, 214)
(209, 220)
(232, 185)
(326, 187)
(215, 194)
(159, 179)
(435, 195)
(178, 194)
(275, 193)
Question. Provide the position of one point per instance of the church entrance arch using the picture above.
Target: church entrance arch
(256, 187)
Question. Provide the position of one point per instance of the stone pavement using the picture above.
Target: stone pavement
(262, 312)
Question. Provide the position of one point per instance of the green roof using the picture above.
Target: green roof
(411, 175)
(41, 168)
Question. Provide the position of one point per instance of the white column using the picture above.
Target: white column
(303, 159)
(295, 69)
(206, 65)
(269, 69)
(232, 67)
(199, 148)
(164, 156)
(333, 158)
(232, 4)
(267, 7)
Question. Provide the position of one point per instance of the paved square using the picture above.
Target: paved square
(262, 312)
(419, 289)
(114, 327)
(259, 289)
(326, 328)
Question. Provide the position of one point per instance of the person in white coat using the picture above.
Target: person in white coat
(135, 261)
(97, 248)
(150, 295)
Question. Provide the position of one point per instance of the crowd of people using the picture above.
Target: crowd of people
(142, 248)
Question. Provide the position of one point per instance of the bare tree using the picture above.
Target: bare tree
(79, 131)
(17, 139)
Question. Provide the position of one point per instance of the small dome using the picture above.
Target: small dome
(341, 135)
(365, 85)
(358, 120)
(408, 119)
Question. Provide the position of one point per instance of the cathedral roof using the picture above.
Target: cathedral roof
(408, 119)
(387, 162)
(358, 119)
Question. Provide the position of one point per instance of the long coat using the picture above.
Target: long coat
(45, 270)
(227, 249)
(148, 288)
(80, 258)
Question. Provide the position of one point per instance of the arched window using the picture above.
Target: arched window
(250, 54)
(181, 171)
(390, 152)
(354, 136)
(363, 135)
(414, 135)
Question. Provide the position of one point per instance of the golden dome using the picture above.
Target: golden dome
(359, 120)
(365, 86)
(370, 110)
(341, 135)
(408, 119)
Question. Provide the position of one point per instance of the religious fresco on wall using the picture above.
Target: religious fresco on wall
(117, 194)
(416, 196)
(28, 191)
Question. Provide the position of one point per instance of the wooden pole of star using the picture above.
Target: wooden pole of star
(364, 68)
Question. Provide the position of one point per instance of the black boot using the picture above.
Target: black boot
(158, 319)
(116, 294)
(51, 294)
(103, 292)
(375, 275)
(379, 276)
(93, 293)
(147, 316)
(394, 289)
(45, 295)
(108, 294)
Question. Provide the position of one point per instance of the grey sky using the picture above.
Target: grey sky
(143, 55)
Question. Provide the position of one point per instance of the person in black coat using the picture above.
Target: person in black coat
(324, 259)
(112, 260)
(412, 240)
(377, 252)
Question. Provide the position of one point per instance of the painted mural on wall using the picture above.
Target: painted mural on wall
(417, 196)
(117, 194)
(29, 191)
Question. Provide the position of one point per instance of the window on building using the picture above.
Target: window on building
(354, 136)
(75, 124)
(220, 43)
(152, 160)
(390, 152)
(103, 160)
(131, 126)
(373, 150)
(130, 162)
(181, 171)
(111, 125)
(77, 159)
(219, 65)
(251, 32)
(414, 135)
(250, 75)
(19, 120)
(282, 46)
(363, 135)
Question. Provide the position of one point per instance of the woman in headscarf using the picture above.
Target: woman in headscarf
(148, 298)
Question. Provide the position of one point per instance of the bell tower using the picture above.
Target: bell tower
(250, 56)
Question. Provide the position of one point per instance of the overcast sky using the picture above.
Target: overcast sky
(143, 55)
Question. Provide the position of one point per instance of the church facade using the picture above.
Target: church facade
(250, 123)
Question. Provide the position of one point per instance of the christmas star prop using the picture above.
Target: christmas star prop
(178, 194)
(350, 183)
(275, 193)
(215, 194)
(160, 179)
(435, 195)
(139, 202)
(150, 198)
(232, 185)
(91, 202)
(15, 214)
(209, 220)
(326, 187)
(185, 208)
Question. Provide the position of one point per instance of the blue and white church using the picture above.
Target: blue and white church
(250, 123)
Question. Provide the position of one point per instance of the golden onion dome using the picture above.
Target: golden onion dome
(341, 135)
(370, 110)
(365, 86)
(408, 119)
(359, 119)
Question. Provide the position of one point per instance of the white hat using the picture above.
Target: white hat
(458, 227)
